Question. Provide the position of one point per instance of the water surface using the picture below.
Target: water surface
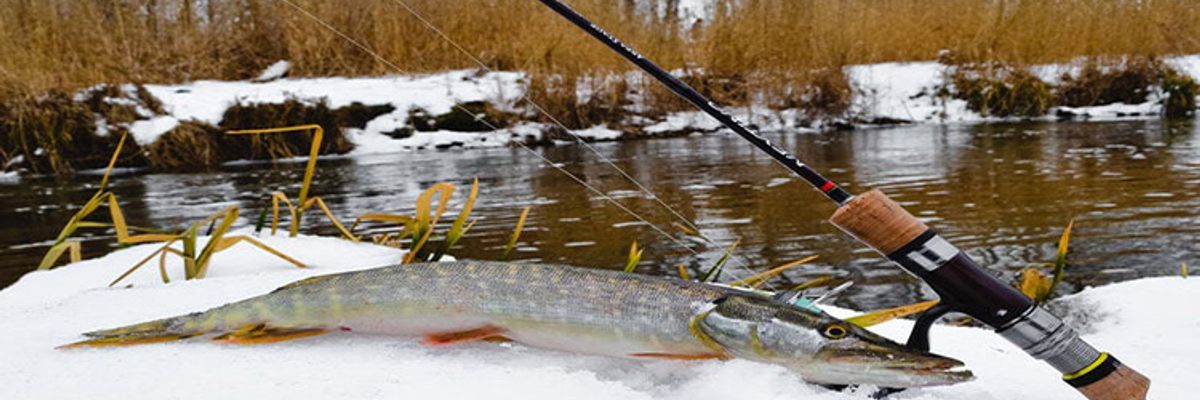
(1002, 192)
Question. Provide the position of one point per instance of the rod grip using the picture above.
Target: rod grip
(877, 221)
(1123, 383)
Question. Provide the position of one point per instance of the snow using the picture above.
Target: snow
(146, 131)
(904, 91)
(1146, 323)
(274, 71)
(597, 133)
(901, 91)
(10, 177)
(207, 100)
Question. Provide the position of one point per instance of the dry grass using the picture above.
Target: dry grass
(69, 44)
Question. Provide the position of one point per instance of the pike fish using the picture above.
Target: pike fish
(563, 308)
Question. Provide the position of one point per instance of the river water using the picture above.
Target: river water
(1002, 192)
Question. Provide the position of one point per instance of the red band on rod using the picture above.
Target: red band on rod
(827, 186)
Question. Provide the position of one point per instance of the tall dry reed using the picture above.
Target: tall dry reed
(68, 44)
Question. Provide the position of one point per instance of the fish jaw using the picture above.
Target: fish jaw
(885, 366)
(821, 348)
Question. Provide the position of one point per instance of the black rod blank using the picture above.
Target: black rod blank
(826, 186)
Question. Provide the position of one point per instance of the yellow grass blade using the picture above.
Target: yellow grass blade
(460, 226)
(412, 253)
(426, 219)
(162, 262)
(189, 252)
(76, 251)
(881, 316)
(206, 254)
(389, 218)
(276, 198)
(1183, 270)
(233, 240)
(54, 254)
(309, 168)
(71, 226)
(1060, 261)
(140, 263)
(687, 230)
(118, 222)
(635, 256)
(512, 240)
(683, 272)
(761, 278)
(815, 282)
(329, 214)
(1034, 284)
(88, 208)
(112, 161)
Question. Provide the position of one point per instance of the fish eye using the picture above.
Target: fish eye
(834, 331)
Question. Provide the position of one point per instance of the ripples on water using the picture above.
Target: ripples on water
(1003, 192)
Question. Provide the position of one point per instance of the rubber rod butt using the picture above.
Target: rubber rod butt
(1112, 381)
(878, 221)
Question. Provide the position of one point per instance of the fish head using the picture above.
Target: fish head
(820, 348)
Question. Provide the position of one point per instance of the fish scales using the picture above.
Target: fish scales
(537, 304)
(562, 308)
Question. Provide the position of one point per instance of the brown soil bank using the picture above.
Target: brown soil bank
(56, 133)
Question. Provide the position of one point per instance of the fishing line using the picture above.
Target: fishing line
(574, 177)
(539, 108)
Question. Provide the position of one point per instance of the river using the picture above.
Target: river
(1003, 192)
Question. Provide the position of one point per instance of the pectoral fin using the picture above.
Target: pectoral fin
(260, 334)
(490, 333)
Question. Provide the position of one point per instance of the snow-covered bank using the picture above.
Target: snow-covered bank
(891, 92)
(1145, 322)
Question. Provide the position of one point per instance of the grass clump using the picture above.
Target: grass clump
(1131, 81)
(55, 134)
(1002, 91)
(188, 147)
(474, 116)
(820, 93)
(291, 112)
(1181, 91)
(1037, 285)
(1106, 82)
(580, 101)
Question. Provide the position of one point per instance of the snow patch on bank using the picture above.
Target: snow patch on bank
(882, 93)
(207, 100)
(1140, 321)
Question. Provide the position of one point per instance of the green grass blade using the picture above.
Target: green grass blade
(635, 256)
(460, 225)
(1060, 261)
(715, 272)
(261, 222)
(214, 240)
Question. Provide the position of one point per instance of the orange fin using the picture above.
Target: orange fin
(680, 357)
(123, 341)
(485, 333)
(260, 334)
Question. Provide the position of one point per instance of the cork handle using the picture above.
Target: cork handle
(1122, 384)
(878, 221)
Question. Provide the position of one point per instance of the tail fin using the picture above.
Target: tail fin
(163, 330)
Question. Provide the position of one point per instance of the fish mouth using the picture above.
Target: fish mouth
(904, 368)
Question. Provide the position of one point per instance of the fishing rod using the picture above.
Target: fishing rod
(962, 285)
